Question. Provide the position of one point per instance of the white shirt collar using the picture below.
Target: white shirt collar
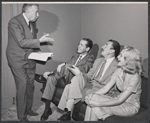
(83, 55)
(110, 59)
(25, 18)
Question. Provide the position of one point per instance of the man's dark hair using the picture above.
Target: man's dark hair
(116, 47)
(89, 43)
(24, 7)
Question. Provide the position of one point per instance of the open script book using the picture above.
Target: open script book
(41, 56)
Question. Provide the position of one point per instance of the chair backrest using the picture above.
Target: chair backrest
(144, 94)
(145, 67)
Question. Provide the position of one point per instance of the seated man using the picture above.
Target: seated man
(83, 84)
(82, 60)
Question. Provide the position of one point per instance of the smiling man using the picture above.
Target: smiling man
(82, 60)
(21, 42)
(83, 84)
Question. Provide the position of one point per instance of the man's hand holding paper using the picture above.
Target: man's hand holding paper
(41, 56)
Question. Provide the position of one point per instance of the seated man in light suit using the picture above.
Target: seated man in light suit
(83, 84)
(82, 60)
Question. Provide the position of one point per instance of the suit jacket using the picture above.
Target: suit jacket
(21, 42)
(92, 85)
(84, 65)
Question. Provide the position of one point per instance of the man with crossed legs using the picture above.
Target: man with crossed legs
(82, 60)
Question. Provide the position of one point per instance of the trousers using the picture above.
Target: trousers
(72, 91)
(24, 81)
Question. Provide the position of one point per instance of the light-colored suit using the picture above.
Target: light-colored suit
(65, 75)
(83, 84)
(21, 43)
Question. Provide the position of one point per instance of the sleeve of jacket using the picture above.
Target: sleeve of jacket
(88, 65)
(18, 34)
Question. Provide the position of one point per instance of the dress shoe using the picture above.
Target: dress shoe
(39, 78)
(23, 119)
(66, 116)
(32, 113)
(46, 114)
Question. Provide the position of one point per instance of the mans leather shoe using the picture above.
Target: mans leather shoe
(23, 119)
(39, 78)
(46, 114)
(32, 113)
(66, 116)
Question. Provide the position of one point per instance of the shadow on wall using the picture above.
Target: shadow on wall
(50, 65)
(94, 50)
(47, 22)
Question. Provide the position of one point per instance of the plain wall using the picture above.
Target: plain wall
(126, 23)
(64, 24)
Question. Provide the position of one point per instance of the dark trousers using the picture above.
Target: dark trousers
(24, 80)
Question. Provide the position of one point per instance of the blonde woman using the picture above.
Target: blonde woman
(127, 79)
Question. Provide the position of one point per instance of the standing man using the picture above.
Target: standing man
(21, 42)
(83, 84)
(82, 60)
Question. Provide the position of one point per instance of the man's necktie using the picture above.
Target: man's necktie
(79, 59)
(31, 27)
(98, 76)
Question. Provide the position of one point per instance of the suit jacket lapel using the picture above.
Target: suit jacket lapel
(97, 66)
(25, 25)
(82, 60)
(109, 70)
(75, 59)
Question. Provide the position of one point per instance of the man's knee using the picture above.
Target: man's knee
(77, 79)
(67, 87)
(51, 80)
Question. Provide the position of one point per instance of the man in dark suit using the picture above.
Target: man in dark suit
(82, 60)
(21, 42)
(83, 84)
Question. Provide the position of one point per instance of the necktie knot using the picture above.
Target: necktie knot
(80, 57)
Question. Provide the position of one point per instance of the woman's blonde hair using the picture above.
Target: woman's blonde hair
(133, 59)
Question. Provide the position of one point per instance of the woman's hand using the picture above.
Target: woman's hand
(88, 98)
(75, 70)
(93, 103)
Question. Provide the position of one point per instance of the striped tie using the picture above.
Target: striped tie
(79, 59)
